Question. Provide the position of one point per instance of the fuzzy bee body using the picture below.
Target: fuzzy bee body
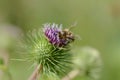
(66, 36)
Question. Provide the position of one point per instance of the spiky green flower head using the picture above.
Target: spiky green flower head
(50, 48)
(88, 61)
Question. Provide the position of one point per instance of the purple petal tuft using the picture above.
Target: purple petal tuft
(53, 32)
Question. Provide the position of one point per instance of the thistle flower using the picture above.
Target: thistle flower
(44, 48)
(57, 36)
(52, 33)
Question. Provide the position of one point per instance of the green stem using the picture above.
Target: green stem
(35, 73)
(71, 75)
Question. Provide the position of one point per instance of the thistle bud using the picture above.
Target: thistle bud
(88, 61)
(44, 48)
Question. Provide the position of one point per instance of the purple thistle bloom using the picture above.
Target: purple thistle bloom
(56, 35)
(52, 33)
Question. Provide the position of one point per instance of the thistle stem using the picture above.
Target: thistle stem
(71, 75)
(35, 73)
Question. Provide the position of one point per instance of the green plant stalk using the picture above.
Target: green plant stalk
(36, 73)
(71, 75)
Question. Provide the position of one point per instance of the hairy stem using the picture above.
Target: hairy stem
(71, 75)
(35, 73)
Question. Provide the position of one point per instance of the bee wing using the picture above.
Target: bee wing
(78, 37)
(73, 25)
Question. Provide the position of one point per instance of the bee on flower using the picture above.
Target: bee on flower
(57, 36)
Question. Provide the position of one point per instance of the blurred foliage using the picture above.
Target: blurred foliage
(1, 61)
(98, 26)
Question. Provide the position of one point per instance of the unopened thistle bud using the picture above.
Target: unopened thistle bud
(89, 62)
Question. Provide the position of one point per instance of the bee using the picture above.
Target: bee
(67, 36)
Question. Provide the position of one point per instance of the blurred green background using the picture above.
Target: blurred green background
(98, 25)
